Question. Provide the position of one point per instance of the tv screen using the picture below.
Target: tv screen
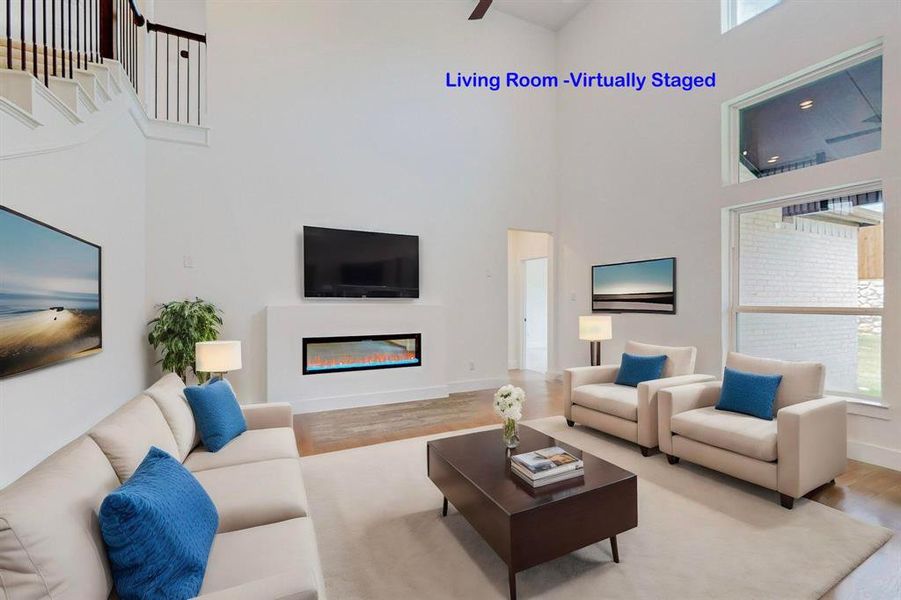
(341, 263)
(646, 286)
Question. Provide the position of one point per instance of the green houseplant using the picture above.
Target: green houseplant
(180, 325)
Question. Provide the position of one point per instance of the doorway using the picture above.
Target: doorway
(534, 310)
(529, 280)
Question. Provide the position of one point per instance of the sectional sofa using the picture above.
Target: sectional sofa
(50, 541)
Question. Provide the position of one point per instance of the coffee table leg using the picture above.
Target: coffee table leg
(512, 576)
(615, 549)
(444, 509)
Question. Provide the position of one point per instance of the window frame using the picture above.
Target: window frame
(729, 14)
(735, 308)
(732, 108)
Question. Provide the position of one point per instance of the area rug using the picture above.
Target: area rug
(700, 534)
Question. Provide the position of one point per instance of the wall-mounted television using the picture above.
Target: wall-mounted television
(342, 263)
(644, 286)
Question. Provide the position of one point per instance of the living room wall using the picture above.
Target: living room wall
(336, 114)
(640, 173)
(95, 191)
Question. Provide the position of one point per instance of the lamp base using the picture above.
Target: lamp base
(595, 354)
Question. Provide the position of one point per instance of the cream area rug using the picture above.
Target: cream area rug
(700, 534)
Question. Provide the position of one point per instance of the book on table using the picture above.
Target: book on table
(543, 481)
(546, 464)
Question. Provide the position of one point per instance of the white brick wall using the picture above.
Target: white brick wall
(802, 262)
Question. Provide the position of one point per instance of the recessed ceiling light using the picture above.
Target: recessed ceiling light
(744, 152)
(805, 104)
(773, 159)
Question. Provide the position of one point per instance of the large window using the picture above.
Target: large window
(807, 284)
(832, 111)
(736, 12)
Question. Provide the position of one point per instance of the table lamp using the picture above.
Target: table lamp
(595, 329)
(217, 357)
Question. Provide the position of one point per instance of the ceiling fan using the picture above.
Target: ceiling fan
(480, 10)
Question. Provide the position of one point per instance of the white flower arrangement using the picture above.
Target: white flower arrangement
(508, 401)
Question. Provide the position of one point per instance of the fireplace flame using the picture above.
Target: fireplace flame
(375, 358)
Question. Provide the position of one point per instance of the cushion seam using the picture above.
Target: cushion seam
(248, 462)
(30, 559)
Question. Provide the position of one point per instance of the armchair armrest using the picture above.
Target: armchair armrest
(579, 376)
(268, 415)
(811, 444)
(674, 400)
(647, 404)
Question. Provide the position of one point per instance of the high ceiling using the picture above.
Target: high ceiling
(550, 14)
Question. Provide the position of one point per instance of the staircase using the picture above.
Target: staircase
(55, 97)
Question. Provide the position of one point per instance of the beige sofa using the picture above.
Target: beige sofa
(590, 396)
(50, 541)
(801, 449)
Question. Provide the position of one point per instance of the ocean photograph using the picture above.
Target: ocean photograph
(646, 286)
(49, 295)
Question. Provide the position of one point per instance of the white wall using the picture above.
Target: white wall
(95, 191)
(341, 118)
(640, 173)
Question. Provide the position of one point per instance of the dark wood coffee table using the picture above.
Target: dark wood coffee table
(527, 526)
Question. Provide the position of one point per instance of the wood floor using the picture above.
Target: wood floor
(867, 492)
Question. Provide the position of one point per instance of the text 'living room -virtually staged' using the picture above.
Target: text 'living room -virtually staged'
(450, 299)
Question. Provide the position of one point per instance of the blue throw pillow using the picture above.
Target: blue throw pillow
(217, 413)
(749, 393)
(634, 369)
(158, 527)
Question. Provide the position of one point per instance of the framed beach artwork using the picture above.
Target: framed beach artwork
(49, 295)
(644, 286)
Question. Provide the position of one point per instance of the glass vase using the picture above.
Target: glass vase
(511, 433)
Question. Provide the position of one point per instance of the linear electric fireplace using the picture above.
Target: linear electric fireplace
(361, 352)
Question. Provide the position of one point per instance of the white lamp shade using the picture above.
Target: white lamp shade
(218, 357)
(596, 328)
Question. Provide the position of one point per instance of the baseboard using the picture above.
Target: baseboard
(371, 399)
(471, 385)
(876, 455)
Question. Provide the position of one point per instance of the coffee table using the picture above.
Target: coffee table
(527, 526)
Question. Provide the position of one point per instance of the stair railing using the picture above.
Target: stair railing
(58, 37)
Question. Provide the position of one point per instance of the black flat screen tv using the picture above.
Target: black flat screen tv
(644, 286)
(341, 263)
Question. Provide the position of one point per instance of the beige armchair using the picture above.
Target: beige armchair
(590, 396)
(804, 447)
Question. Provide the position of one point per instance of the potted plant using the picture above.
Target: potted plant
(180, 325)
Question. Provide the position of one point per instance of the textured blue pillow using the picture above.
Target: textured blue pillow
(634, 369)
(158, 527)
(749, 393)
(217, 413)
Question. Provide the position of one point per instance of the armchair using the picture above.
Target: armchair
(592, 398)
(802, 448)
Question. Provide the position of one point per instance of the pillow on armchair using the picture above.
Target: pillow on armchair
(749, 393)
(635, 369)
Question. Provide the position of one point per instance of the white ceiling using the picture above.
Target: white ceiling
(552, 14)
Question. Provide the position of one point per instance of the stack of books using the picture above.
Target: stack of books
(547, 466)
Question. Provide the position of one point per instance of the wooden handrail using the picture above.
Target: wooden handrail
(188, 35)
(136, 14)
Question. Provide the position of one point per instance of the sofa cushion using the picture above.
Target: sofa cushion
(169, 395)
(635, 369)
(801, 381)
(127, 435)
(617, 400)
(251, 446)
(158, 528)
(680, 360)
(749, 393)
(217, 413)
(268, 552)
(742, 434)
(50, 544)
(256, 493)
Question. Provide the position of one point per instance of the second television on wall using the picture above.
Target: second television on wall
(644, 286)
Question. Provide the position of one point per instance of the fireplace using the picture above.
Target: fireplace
(361, 352)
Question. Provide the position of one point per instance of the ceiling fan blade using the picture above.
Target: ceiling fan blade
(480, 10)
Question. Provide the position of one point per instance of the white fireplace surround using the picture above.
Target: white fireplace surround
(286, 326)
